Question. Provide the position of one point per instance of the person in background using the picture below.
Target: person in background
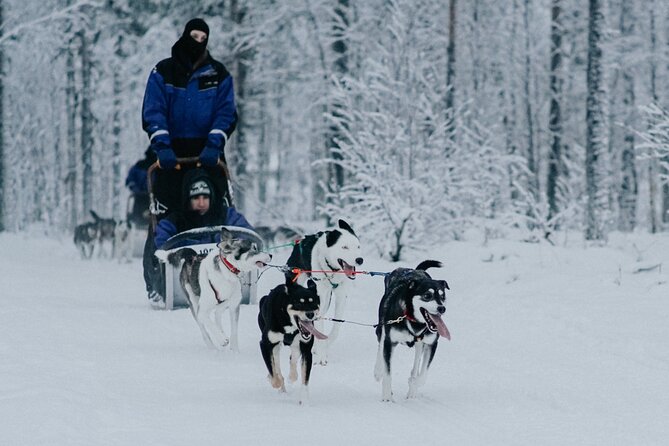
(138, 212)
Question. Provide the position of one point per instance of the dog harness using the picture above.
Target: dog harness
(218, 299)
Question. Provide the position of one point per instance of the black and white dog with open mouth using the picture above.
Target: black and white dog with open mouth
(212, 284)
(286, 316)
(410, 313)
(337, 253)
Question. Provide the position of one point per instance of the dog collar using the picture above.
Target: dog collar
(234, 270)
(417, 336)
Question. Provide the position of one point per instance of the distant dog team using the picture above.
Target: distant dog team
(105, 236)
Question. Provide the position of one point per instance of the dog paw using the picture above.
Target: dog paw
(277, 383)
(320, 359)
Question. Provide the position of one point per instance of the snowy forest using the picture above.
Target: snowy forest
(414, 119)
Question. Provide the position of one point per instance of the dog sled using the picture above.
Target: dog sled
(175, 295)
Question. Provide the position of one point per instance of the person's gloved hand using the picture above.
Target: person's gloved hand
(209, 156)
(166, 158)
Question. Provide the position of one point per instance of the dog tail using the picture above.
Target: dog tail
(175, 257)
(425, 264)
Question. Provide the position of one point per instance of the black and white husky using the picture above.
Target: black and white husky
(410, 313)
(336, 251)
(85, 238)
(286, 317)
(212, 284)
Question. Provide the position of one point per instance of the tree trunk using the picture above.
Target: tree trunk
(532, 162)
(450, 69)
(237, 15)
(340, 69)
(555, 165)
(71, 178)
(86, 122)
(118, 89)
(2, 123)
(627, 198)
(595, 122)
(652, 162)
(664, 170)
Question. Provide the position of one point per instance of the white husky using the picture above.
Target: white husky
(212, 284)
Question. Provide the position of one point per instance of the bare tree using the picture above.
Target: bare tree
(596, 125)
(450, 68)
(627, 198)
(2, 120)
(555, 165)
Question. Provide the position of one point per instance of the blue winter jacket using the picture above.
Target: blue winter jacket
(188, 110)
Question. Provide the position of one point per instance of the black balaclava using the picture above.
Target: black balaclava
(191, 49)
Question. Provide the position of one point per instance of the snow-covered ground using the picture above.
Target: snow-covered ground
(550, 346)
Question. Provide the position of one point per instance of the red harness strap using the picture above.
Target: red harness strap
(218, 299)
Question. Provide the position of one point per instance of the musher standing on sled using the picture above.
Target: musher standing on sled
(188, 111)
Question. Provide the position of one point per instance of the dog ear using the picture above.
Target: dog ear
(345, 226)
(311, 285)
(225, 244)
(332, 238)
(445, 284)
(226, 235)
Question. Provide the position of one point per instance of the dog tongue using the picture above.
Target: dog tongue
(348, 270)
(441, 327)
(309, 326)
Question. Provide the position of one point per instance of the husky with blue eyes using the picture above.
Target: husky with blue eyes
(410, 313)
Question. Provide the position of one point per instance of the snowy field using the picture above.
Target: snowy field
(550, 346)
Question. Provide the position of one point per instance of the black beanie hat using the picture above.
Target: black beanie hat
(197, 24)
